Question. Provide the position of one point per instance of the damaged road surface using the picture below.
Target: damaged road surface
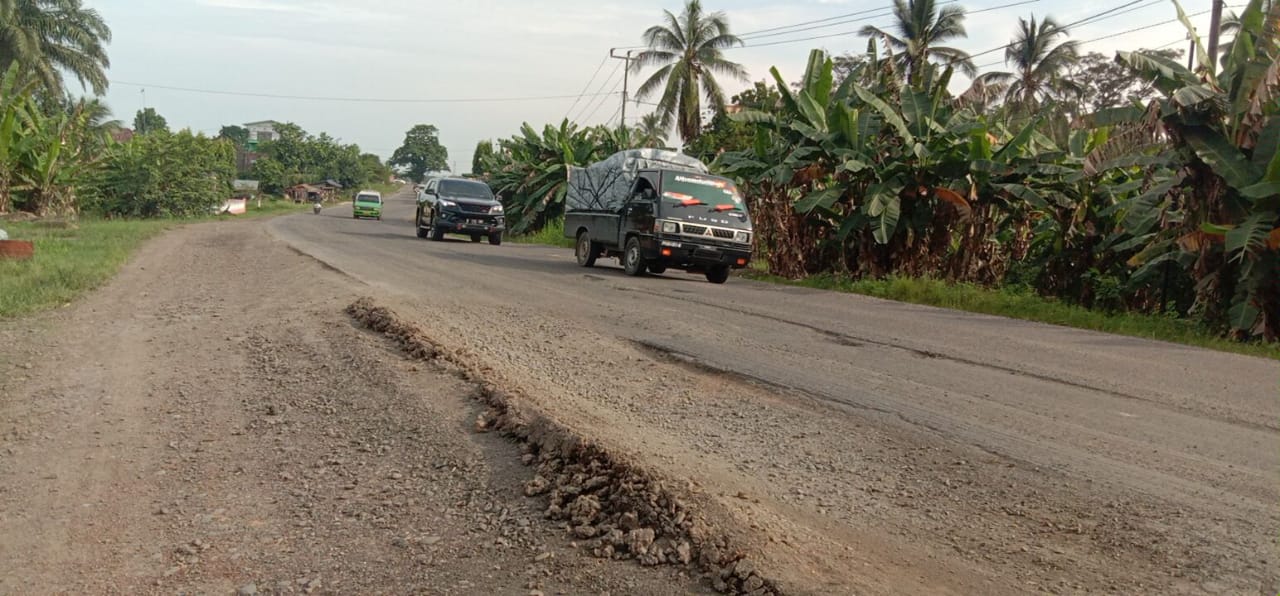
(858, 445)
(321, 405)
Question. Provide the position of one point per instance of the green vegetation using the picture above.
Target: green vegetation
(529, 171)
(160, 174)
(297, 157)
(148, 121)
(68, 261)
(551, 234)
(46, 39)
(688, 51)
(421, 152)
(1022, 303)
(1132, 188)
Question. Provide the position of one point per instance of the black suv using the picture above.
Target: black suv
(459, 206)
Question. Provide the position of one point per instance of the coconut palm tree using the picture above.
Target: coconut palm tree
(689, 53)
(650, 132)
(921, 27)
(1039, 59)
(48, 37)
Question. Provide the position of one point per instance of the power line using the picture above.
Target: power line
(1151, 26)
(835, 18)
(616, 111)
(600, 103)
(585, 87)
(772, 31)
(345, 99)
(859, 31)
(1112, 11)
(599, 97)
(1127, 32)
(882, 10)
(1106, 14)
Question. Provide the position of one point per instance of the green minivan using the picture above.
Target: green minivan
(368, 203)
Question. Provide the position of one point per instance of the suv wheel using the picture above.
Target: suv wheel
(585, 250)
(437, 232)
(417, 224)
(718, 274)
(632, 259)
(495, 238)
(476, 237)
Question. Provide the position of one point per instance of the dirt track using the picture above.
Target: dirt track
(847, 445)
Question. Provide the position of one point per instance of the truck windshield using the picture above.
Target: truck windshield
(465, 189)
(368, 199)
(703, 198)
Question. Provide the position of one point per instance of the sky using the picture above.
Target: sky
(400, 57)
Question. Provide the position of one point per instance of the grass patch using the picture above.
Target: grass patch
(72, 260)
(551, 234)
(1021, 304)
(68, 262)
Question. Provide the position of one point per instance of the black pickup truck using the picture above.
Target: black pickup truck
(657, 210)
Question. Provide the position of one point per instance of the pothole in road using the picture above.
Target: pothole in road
(619, 509)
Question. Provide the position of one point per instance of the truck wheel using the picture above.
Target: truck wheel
(585, 250)
(657, 268)
(475, 237)
(495, 238)
(417, 224)
(632, 258)
(718, 274)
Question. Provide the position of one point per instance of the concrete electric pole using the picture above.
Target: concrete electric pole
(1215, 23)
(626, 75)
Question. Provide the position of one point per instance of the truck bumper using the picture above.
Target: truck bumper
(686, 255)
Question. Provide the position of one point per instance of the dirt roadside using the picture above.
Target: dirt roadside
(212, 422)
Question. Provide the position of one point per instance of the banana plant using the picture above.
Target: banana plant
(874, 177)
(16, 108)
(1224, 129)
(529, 171)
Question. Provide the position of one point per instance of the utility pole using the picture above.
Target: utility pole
(143, 120)
(1191, 53)
(1215, 23)
(625, 79)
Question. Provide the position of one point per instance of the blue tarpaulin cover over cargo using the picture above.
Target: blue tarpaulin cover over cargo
(603, 186)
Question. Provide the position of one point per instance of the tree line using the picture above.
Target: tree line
(59, 155)
(1126, 183)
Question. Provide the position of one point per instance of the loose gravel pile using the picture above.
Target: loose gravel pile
(618, 510)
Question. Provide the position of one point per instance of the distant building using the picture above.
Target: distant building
(261, 131)
(245, 159)
(122, 135)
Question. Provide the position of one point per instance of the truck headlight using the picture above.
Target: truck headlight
(670, 227)
(447, 204)
(743, 237)
(495, 209)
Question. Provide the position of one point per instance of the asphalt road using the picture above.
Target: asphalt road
(1193, 428)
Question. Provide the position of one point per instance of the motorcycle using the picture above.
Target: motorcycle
(315, 208)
